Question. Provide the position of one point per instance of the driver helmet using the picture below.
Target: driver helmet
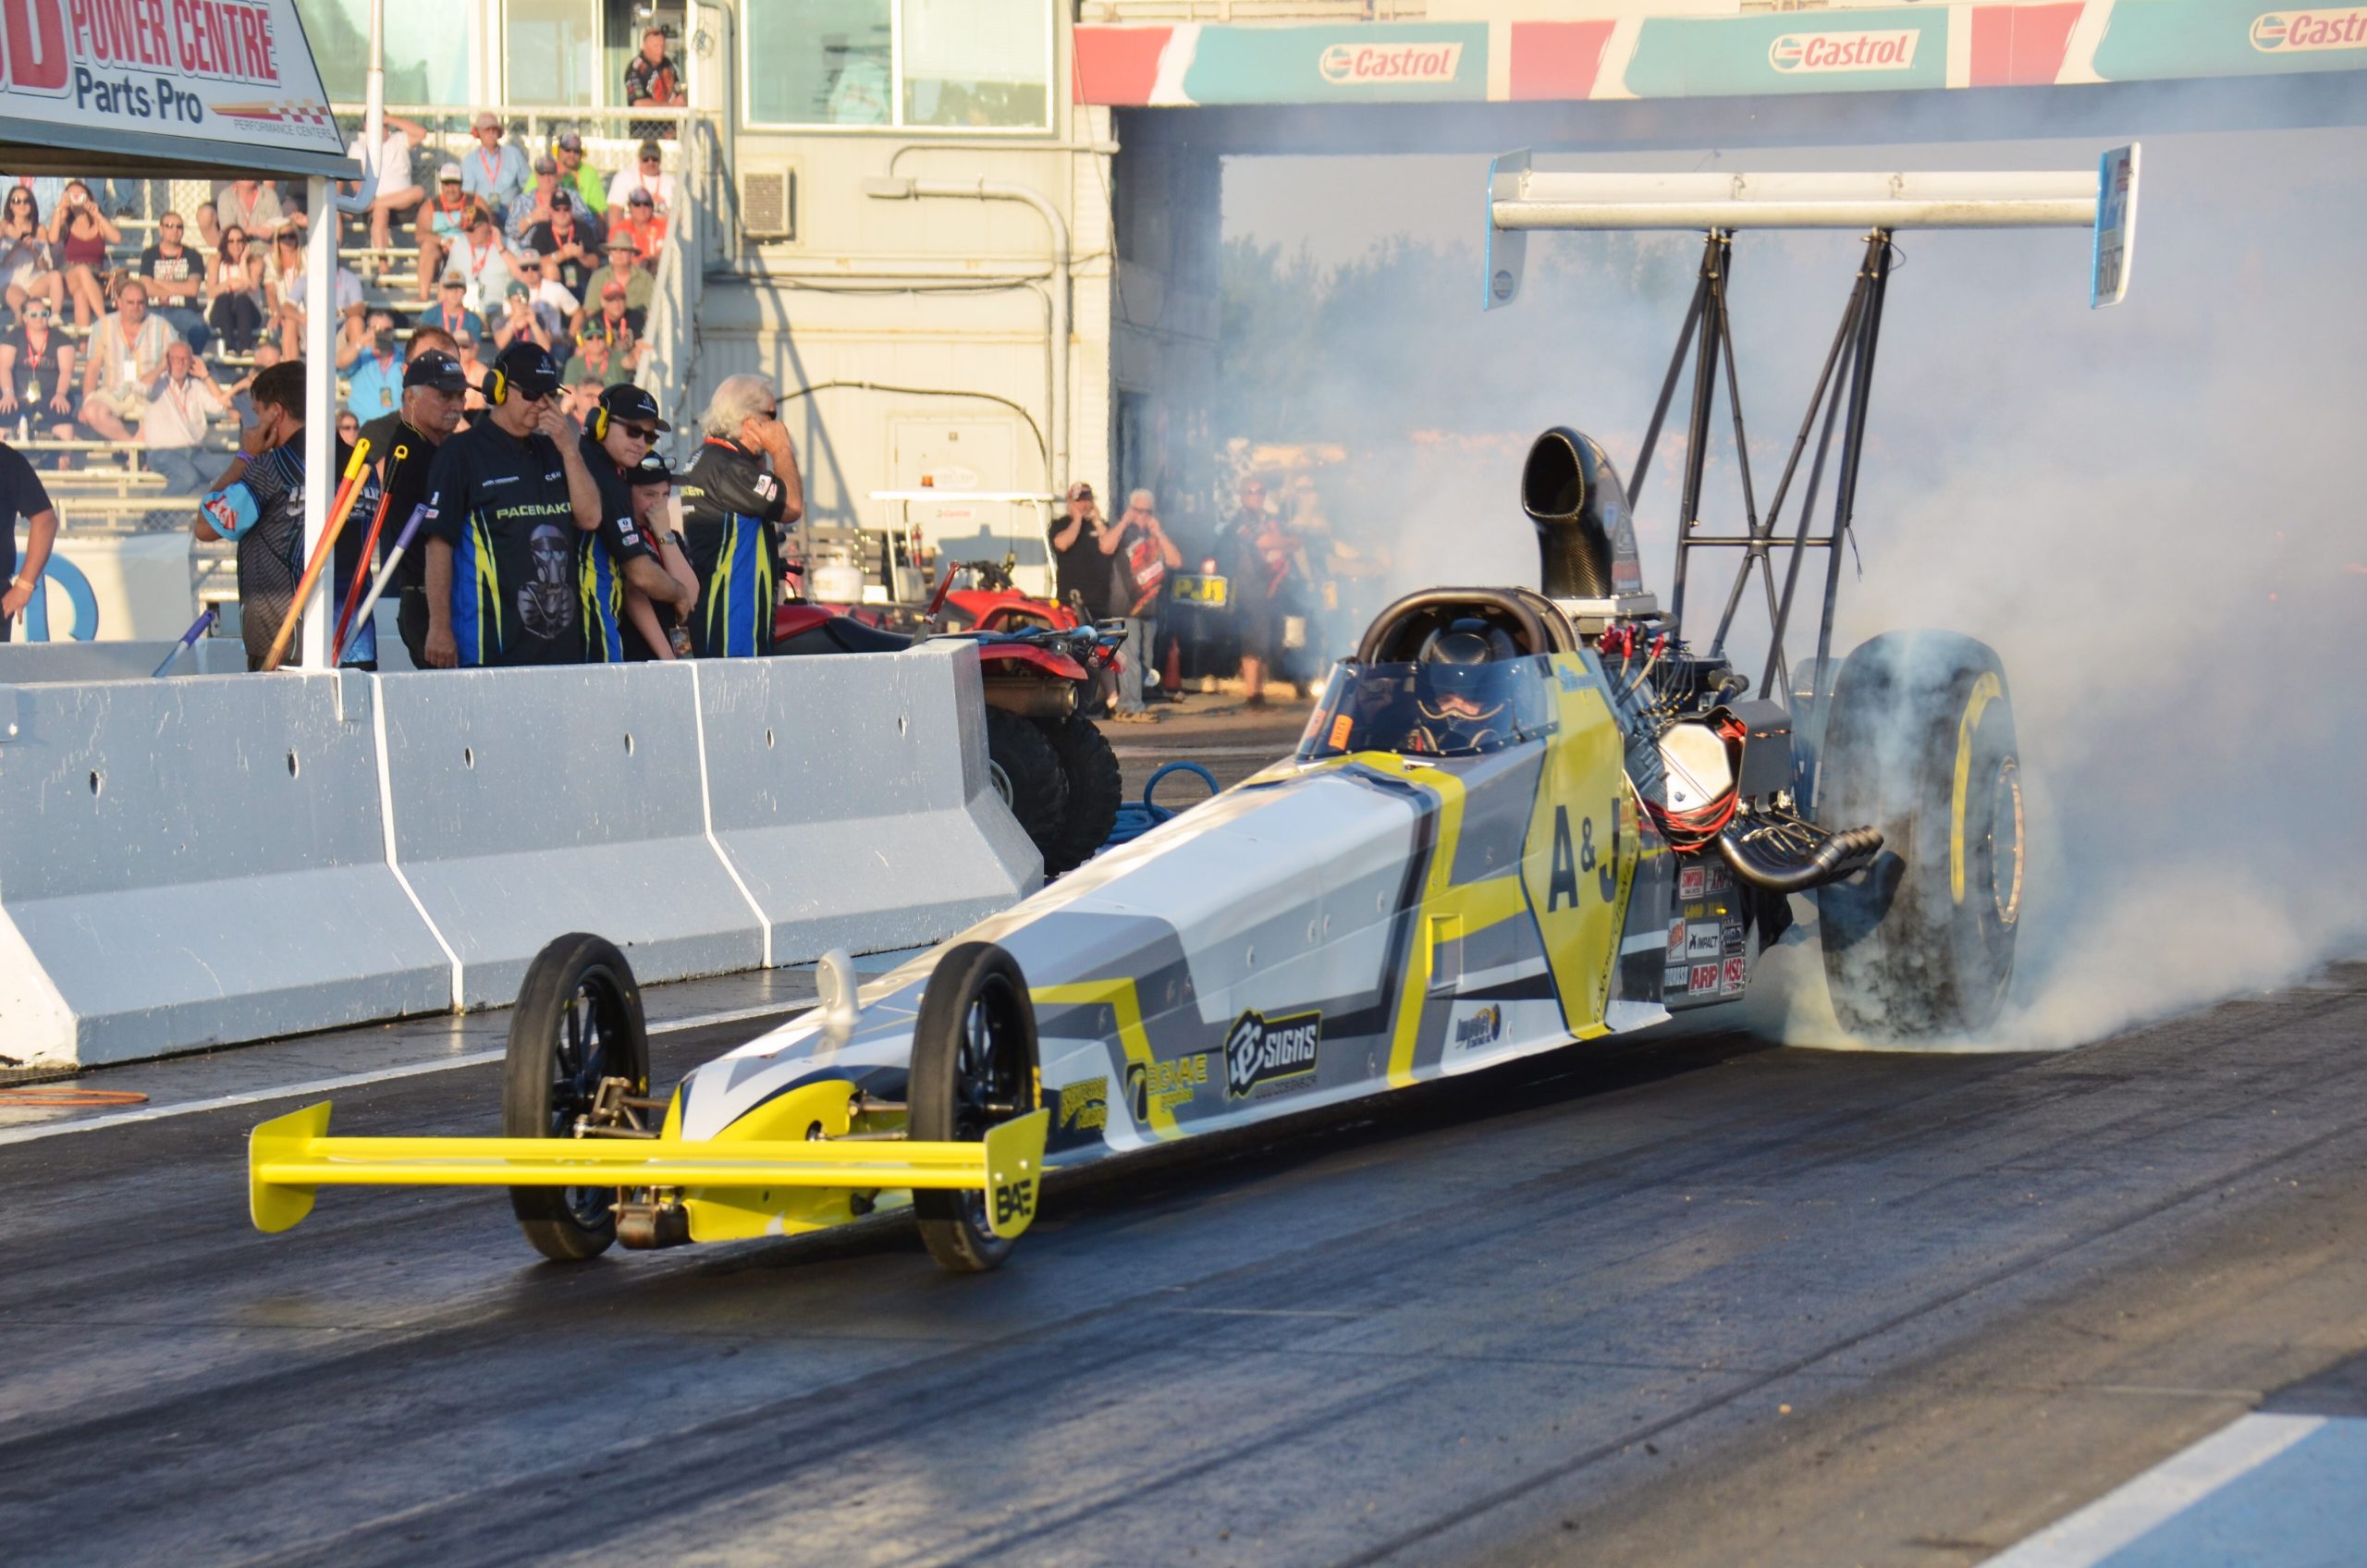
(1460, 700)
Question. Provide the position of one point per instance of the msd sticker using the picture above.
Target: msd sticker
(1737, 972)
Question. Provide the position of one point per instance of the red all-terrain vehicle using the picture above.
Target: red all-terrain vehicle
(993, 603)
(1051, 766)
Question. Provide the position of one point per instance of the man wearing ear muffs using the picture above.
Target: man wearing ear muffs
(508, 499)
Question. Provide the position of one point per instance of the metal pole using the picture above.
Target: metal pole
(374, 95)
(1668, 392)
(1826, 397)
(1853, 442)
(1697, 441)
(320, 405)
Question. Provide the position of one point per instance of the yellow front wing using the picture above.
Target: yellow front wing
(290, 1156)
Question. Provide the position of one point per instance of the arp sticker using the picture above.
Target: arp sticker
(1704, 979)
(1731, 981)
(1702, 939)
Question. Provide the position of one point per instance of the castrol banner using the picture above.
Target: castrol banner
(238, 72)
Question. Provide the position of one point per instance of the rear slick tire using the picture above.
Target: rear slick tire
(1028, 775)
(1096, 788)
(973, 1066)
(577, 1019)
(1920, 742)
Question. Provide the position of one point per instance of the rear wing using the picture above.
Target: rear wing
(1521, 198)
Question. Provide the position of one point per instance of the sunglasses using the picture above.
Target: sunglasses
(640, 431)
(36, 315)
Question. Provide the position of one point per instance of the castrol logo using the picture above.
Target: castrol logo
(1844, 51)
(2279, 32)
(1369, 65)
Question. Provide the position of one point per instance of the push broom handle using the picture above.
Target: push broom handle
(347, 490)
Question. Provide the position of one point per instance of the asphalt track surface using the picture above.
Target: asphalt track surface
(1680, 1301)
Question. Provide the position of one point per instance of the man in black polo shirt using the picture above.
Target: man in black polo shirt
(22, 496)
(624, 426)
(741, 486)
(506, 500)
(403, 445)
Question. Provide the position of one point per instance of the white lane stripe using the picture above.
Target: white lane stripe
(350, 1080)
(2169, 1488)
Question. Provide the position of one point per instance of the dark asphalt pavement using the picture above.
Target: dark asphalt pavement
(1669, 1302)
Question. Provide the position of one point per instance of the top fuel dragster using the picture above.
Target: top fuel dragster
(1518, 817)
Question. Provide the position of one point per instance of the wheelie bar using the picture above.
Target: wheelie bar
(292, 1156)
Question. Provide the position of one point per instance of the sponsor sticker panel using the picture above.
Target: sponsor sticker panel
(1873, 50)
(1369, 62)
(1270, 1056)
(2188, 38)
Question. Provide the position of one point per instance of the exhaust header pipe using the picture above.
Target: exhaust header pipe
(1585, 538)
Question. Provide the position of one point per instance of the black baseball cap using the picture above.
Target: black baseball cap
(650, 471)
(438, 369)
(528, 368)
(625, 401)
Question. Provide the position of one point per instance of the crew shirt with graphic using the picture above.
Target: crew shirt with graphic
(501, 503)
(605, 552)
(730, 504)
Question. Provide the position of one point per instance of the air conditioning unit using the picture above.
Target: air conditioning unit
(768, 203)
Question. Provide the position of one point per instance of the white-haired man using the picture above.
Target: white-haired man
(741, 486)
(1148, 555)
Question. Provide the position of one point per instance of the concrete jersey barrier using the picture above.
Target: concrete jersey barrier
(192, 862)
(874, 834)
(202, 861)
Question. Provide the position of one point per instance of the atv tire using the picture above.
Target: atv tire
(578, 1020)
(1094, 789)
(1919, 741)
(1028, 775)
(973, 1066)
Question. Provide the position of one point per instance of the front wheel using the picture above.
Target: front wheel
(1920, 742)
(578, 1020)
(973, 1066)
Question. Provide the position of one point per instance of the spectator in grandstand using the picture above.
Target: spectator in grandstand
(533, 205)
(183, 403)
(28, 264)
(581, 397)
(22, 499)
(444, 219)
(402, 449)
(175, 275)
(566, 237)
(349, 428)
(506, 499)
(242, 404)
(79, 235)
(344, 288)
(375, 380)
(399, 189)
(652, 78)
(518, 323)
(743, 486)
(580, 178)
(496, 172)
(235, 280)
(555, 305)
(251, 205)
(450, 313)
(642, 224)
(259, 503)
(648, 172)
(482, 264)
(640, 288)
(594, 360)
(126, 356)
(614, 328)
(37, 373)
(619, 556)
(465, 348)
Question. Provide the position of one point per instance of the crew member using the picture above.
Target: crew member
(259, 502)
(506, 500)
(22, 496)
(741, 484)
(619, 554)
(402, 446)
(652, 630)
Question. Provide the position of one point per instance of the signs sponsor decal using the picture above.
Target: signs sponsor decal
(1381, 64)
(1480, 1029)
(1692, 882)
(1884, 50)
(1731, 940)
(1260, 1052)
(1702, 939)
(1163, 1085)
(2301, 32)
(1084, 1105)
(1675, 978)
(1677, 938)
(1731, 979)
(1704, 979)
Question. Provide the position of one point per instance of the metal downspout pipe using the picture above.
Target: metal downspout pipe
(1057, 401)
